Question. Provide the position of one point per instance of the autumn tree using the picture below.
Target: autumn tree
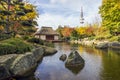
(81, 32)
(15, 15)
(110, 13)
(66, 32)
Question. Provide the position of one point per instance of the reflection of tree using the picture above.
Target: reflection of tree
(92, 50)
(74, 46)
(66, 46)
(81, 49)
(111, 66)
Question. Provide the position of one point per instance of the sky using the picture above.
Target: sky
(53, 13)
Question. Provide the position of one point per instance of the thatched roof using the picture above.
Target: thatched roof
(46, 31)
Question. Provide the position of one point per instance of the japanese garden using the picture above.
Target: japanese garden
(84, 51)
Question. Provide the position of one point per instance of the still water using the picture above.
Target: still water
(99, 65)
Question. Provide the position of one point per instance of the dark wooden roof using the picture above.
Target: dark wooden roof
(46, 31)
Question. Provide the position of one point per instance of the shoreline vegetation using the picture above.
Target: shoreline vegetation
(115, 45)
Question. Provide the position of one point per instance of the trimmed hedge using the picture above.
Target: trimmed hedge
(35, 40)
(40, 42)
(14, 46)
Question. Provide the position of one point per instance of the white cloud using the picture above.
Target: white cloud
(58, 1)
(67, 12)
(55, 20)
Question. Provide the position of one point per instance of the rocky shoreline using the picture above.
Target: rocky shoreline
(99, 44)
(21, 64)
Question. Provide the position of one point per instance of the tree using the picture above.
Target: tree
(110, 13)
(15, 14)
(59, 30)
(66, 32)
(75, 35)
(81, 32)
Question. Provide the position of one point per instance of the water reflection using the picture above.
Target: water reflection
(111, 64)
(76, 69)
(99, 65)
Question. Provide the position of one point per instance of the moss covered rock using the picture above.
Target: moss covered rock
(74, 59)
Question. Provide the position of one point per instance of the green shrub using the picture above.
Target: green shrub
(118, 39)
(114, 38)
(5, 48)
(4, 36)
(100, 38)
(14, 46)
(35, 40)
(91, 38)
(25, 37)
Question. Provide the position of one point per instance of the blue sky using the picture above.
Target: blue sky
(66, 12)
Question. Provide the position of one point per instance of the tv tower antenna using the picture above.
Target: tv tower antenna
(81, 16)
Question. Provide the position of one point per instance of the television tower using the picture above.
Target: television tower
(81, 16)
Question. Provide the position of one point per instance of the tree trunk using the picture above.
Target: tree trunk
(7, 25)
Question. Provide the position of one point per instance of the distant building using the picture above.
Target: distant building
(47, 33)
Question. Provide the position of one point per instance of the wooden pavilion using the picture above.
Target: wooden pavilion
(47, 33)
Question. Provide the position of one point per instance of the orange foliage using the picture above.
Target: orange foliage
(89, 30)
(66, 31)
(1, 28)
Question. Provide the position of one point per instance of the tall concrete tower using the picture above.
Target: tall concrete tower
(81, 16)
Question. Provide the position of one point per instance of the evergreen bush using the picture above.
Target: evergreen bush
(35, 40)
(14, 46)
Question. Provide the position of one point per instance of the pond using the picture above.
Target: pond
(99, 65)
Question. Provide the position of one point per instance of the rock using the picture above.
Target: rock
(63, 57)
(75, 62)
(49, 51)
(114, 45)
(4, 72)
(7, 59)
(24, 63)
(102, 46)
(38, 54)
(5, 64)
(74, 59)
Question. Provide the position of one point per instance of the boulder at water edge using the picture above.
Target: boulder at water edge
(75, 62)
(114, 45)
(63, 57)
(74, 59)
(49, 51)
(102, 46)
(4, 72)
(25, 63)
(5, 64)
